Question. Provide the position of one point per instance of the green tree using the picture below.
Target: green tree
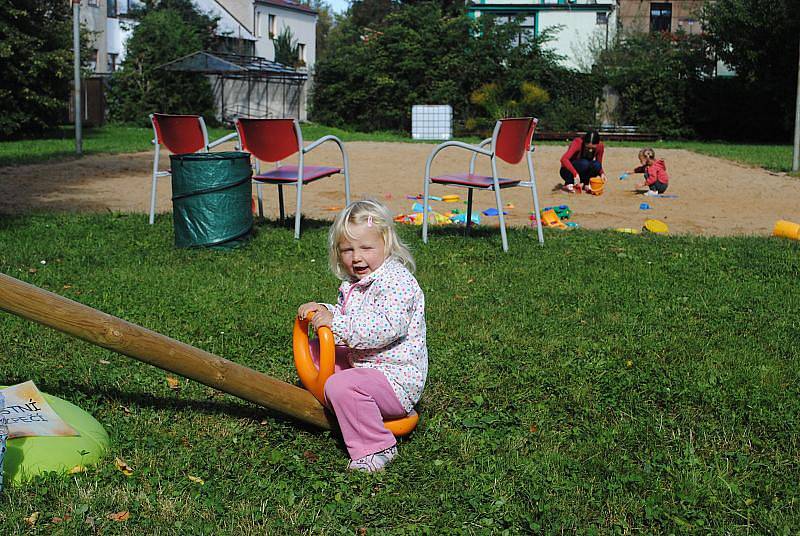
(287, 51)
(140, 87)
(35, 65)
(655, 75)
(371, 77)
(760, 41)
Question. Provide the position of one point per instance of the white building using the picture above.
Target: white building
(272, 17)
(580, 25)
(245, 27)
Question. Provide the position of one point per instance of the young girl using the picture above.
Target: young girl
(582, 161)
(656, 178)
(379, 319)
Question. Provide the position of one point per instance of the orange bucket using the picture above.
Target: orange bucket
(787, 229)
(597, 185)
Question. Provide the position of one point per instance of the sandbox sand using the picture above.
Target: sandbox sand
(714, 197)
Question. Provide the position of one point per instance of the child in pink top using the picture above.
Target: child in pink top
(378, 323)
(656, 178)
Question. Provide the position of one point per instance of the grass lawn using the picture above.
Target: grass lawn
(606, 383)
(121, 139)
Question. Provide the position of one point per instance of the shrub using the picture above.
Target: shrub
(654, 75)
(140, 87)
(35, 65)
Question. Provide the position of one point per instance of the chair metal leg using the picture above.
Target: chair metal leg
(298, 212)
(281, 209)
(260, 200)
(535, 195)
(153, 200)
(468, 221)
(425, 202)
(499, 206)
(153, 190)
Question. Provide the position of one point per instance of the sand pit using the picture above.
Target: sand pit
(714, 197)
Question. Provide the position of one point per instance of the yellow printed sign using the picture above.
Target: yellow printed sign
(29, 414)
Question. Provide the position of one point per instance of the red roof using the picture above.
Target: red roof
(289, 4)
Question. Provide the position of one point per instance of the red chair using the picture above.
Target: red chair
(180, 134)
(511, 141)
(273, 140)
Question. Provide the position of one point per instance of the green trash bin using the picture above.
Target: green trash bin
(211, 199)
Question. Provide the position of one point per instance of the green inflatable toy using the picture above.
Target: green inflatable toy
(27, 457)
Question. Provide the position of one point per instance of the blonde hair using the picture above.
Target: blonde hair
(648, 153)
(373, 213)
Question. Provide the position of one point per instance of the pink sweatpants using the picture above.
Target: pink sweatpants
(361, 398)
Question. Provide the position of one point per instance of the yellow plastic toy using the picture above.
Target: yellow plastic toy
(787, 229)
(314, 379)
(551, 219)
(627, 230)
(451, 198)
(597, 185)
(655, 226)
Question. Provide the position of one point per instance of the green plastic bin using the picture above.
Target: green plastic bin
(211, 199)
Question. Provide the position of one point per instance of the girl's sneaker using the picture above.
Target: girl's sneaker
(372, 463)
(568, 188)
(651, 193)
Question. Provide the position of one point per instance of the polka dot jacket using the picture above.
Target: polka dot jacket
(381, 319)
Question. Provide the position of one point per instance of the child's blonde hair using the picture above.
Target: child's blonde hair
(648, 153)
(370, 212)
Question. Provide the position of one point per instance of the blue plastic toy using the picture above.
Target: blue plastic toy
(462, 219)
(492, 212)
(644, 206)
(623, 176)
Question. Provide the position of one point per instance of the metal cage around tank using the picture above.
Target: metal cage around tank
(247, 86)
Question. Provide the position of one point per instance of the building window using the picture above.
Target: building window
(661, 17)
(257, 29)
(273, 26)
(93, 3)
(112, 62)
(93, 60)
(602, 18)
(301, 53)
(111, 9)
(527, 25)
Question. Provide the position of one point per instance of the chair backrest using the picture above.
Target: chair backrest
(269, 140)
(180, 134)
(512, 138)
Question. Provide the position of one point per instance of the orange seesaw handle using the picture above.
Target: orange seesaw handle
(314, 379)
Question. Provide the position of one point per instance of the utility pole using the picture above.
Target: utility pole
(796, 152)
(76, 45)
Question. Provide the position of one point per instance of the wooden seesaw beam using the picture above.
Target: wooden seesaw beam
(97, 327)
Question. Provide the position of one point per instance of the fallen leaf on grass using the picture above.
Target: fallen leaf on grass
(534, 428)
(67, 286)
(77, 469)
(174, 383)
(197, 479)
(31, 519)
(362, 531)
(310, 456)
(32, 270)
(119, 516)
(126, 469)
(104, 362)
(57, 520)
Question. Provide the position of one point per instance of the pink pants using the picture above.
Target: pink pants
(361, 398)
